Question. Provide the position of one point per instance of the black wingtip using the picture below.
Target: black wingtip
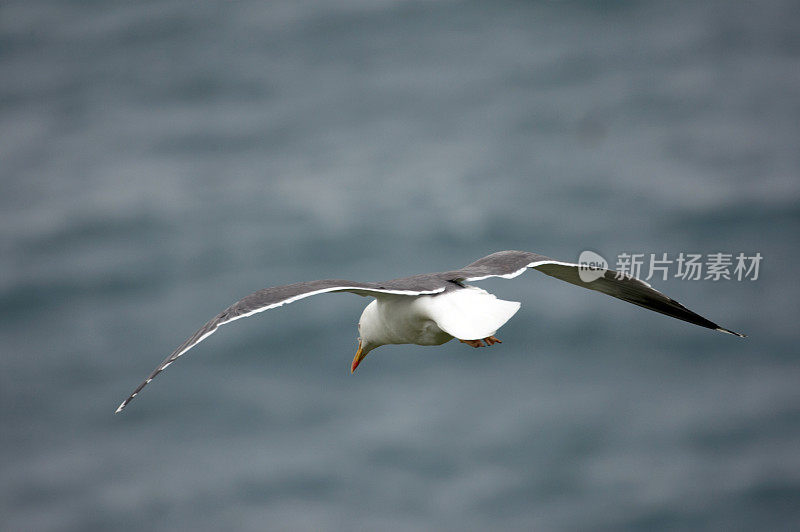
(723, 329)
(122, 405)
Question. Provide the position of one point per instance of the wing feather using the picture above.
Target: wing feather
(630, 289)
(509, 264)
(273, 297)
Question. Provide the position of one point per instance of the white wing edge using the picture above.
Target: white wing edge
(354, 289)
(533, 265)
(572, 264)
(504, 276)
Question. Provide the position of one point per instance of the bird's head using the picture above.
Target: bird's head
(370, 334)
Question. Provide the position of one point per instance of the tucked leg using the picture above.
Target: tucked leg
(473, 343)
(491, 340)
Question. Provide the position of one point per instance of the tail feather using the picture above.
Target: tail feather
(470, 313)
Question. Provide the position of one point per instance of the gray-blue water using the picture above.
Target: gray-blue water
(159, 160)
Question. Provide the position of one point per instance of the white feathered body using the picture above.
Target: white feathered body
(468, 313)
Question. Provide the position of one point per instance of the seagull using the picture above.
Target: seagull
(434, 308)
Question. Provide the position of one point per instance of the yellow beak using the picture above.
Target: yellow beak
(358, 358)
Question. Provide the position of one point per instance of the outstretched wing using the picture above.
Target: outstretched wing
(277, 296)
(509, 264)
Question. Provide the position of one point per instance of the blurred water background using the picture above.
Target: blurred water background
(159, 160)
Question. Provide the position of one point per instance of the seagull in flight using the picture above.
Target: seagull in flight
(434, 308)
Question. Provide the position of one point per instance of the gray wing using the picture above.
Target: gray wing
(509, 264)
(277, 296)
(506, 264)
